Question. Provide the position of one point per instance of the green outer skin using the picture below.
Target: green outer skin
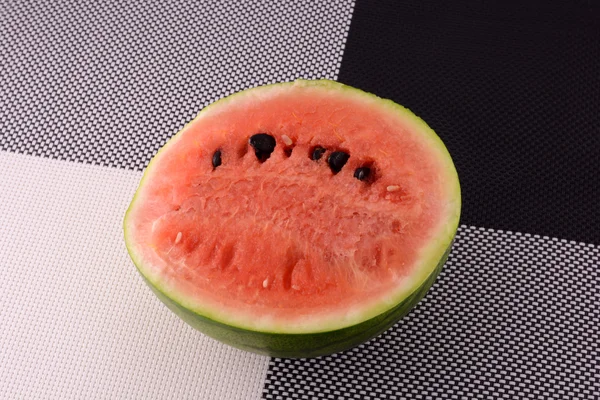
(302, 345)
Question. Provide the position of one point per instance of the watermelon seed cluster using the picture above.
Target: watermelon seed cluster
(337, 160)
(264, 145)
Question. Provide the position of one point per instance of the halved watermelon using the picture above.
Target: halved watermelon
(295, 219)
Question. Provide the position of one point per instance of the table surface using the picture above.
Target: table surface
(90, 90)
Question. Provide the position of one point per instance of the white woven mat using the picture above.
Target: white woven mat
(76, 321)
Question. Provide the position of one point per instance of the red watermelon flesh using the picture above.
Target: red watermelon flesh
(287, 244)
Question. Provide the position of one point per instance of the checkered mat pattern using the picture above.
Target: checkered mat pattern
(90, 91)
(108, 83)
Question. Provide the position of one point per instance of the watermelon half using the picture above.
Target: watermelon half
(296, 219)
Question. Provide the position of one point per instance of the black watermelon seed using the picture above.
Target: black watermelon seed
(362, 173)
(317, 153)
(337, 160)
(263, 144)
(216, 159)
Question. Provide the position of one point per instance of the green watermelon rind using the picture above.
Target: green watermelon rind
(305, 345)
(312, 340)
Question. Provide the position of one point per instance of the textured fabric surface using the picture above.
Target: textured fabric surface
(90, 90)
(512, 89)
(109, 82)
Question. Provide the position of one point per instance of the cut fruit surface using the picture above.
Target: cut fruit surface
(295, 219)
